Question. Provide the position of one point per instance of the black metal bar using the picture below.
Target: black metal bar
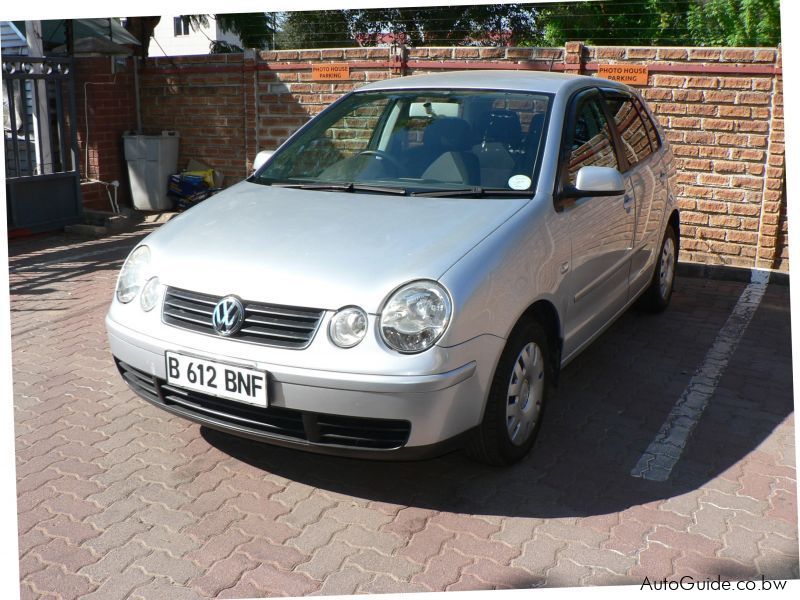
(73, 123)
(48, 177)
(61, 127)
(50, 199)
(12, 113)
(36, 76)
(38, 124)
(54, 73)
(70, 37)
(25, 120)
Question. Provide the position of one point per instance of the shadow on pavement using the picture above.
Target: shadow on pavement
(39, 267)
(611, 402)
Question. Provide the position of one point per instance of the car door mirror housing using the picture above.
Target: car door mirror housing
(261, 159)
(595, 181)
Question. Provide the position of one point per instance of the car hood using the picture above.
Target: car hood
(318, 249)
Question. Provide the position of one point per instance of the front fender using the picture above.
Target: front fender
(519, 263)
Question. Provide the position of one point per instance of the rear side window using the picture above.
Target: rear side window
(652, 133)
(591, 143)
(631, 128)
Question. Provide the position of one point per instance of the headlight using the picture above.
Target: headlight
(415, 316)
(149, 295)
(348, 327)
(133, 274)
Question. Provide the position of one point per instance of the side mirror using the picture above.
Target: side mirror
(595, 181)
(261, 159)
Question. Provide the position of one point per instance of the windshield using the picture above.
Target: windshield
(418, 141)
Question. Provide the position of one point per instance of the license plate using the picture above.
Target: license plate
(217, 379)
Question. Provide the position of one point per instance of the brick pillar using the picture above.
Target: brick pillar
(573, 58)
(399, 56)
(250, 116)
(773, 247)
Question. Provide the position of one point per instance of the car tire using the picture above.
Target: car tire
(517, 397)
(657, 296)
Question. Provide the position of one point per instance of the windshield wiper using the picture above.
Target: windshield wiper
(474, 191)
(344, 187)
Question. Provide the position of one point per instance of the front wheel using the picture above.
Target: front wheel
(516, 399)
(656, 297)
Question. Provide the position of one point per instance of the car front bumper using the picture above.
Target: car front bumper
(308, 406)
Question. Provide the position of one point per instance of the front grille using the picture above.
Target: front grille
(317, 428)
(267, 324)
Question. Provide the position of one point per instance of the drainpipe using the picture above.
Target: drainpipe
(255, 104)
(136, 92)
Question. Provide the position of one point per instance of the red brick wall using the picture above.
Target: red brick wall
(212, 109)
(211, 100)
(722, 110)
(109, 101)
(726, 129)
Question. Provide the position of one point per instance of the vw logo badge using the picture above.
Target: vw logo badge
(228, 316)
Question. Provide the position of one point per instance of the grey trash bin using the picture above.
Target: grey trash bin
(151, 160)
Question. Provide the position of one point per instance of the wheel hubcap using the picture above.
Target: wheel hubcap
(525, 394)
(666, 267)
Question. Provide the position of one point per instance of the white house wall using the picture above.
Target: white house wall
(198, 41)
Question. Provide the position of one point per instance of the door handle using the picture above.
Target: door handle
(627, 203)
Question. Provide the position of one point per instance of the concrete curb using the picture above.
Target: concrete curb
(726, 273)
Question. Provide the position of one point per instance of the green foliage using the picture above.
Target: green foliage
(607, 22)
(315, 29)
(254, 29)
(430, 25)
(663, 22)
(221, 47)
(604, 22)
(616, 22)
(488, 24)
(735, 23)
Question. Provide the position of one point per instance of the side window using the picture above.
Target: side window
(590, 140)
(652, 133)
(631, 128)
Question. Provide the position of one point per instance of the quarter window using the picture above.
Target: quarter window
(652, 133)
(632, 131)
(591, 143)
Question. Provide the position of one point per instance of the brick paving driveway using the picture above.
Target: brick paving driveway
(118, 499)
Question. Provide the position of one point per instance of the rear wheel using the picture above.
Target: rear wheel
(656, 297)
(516, 399)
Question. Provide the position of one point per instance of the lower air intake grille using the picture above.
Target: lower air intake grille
(142, 383)
(316, 428)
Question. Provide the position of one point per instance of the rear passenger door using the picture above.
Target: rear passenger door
(643, 172)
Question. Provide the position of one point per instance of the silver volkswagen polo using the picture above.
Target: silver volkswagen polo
(410, 271)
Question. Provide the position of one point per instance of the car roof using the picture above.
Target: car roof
(528, 81)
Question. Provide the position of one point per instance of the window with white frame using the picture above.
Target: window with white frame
(182, 26)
